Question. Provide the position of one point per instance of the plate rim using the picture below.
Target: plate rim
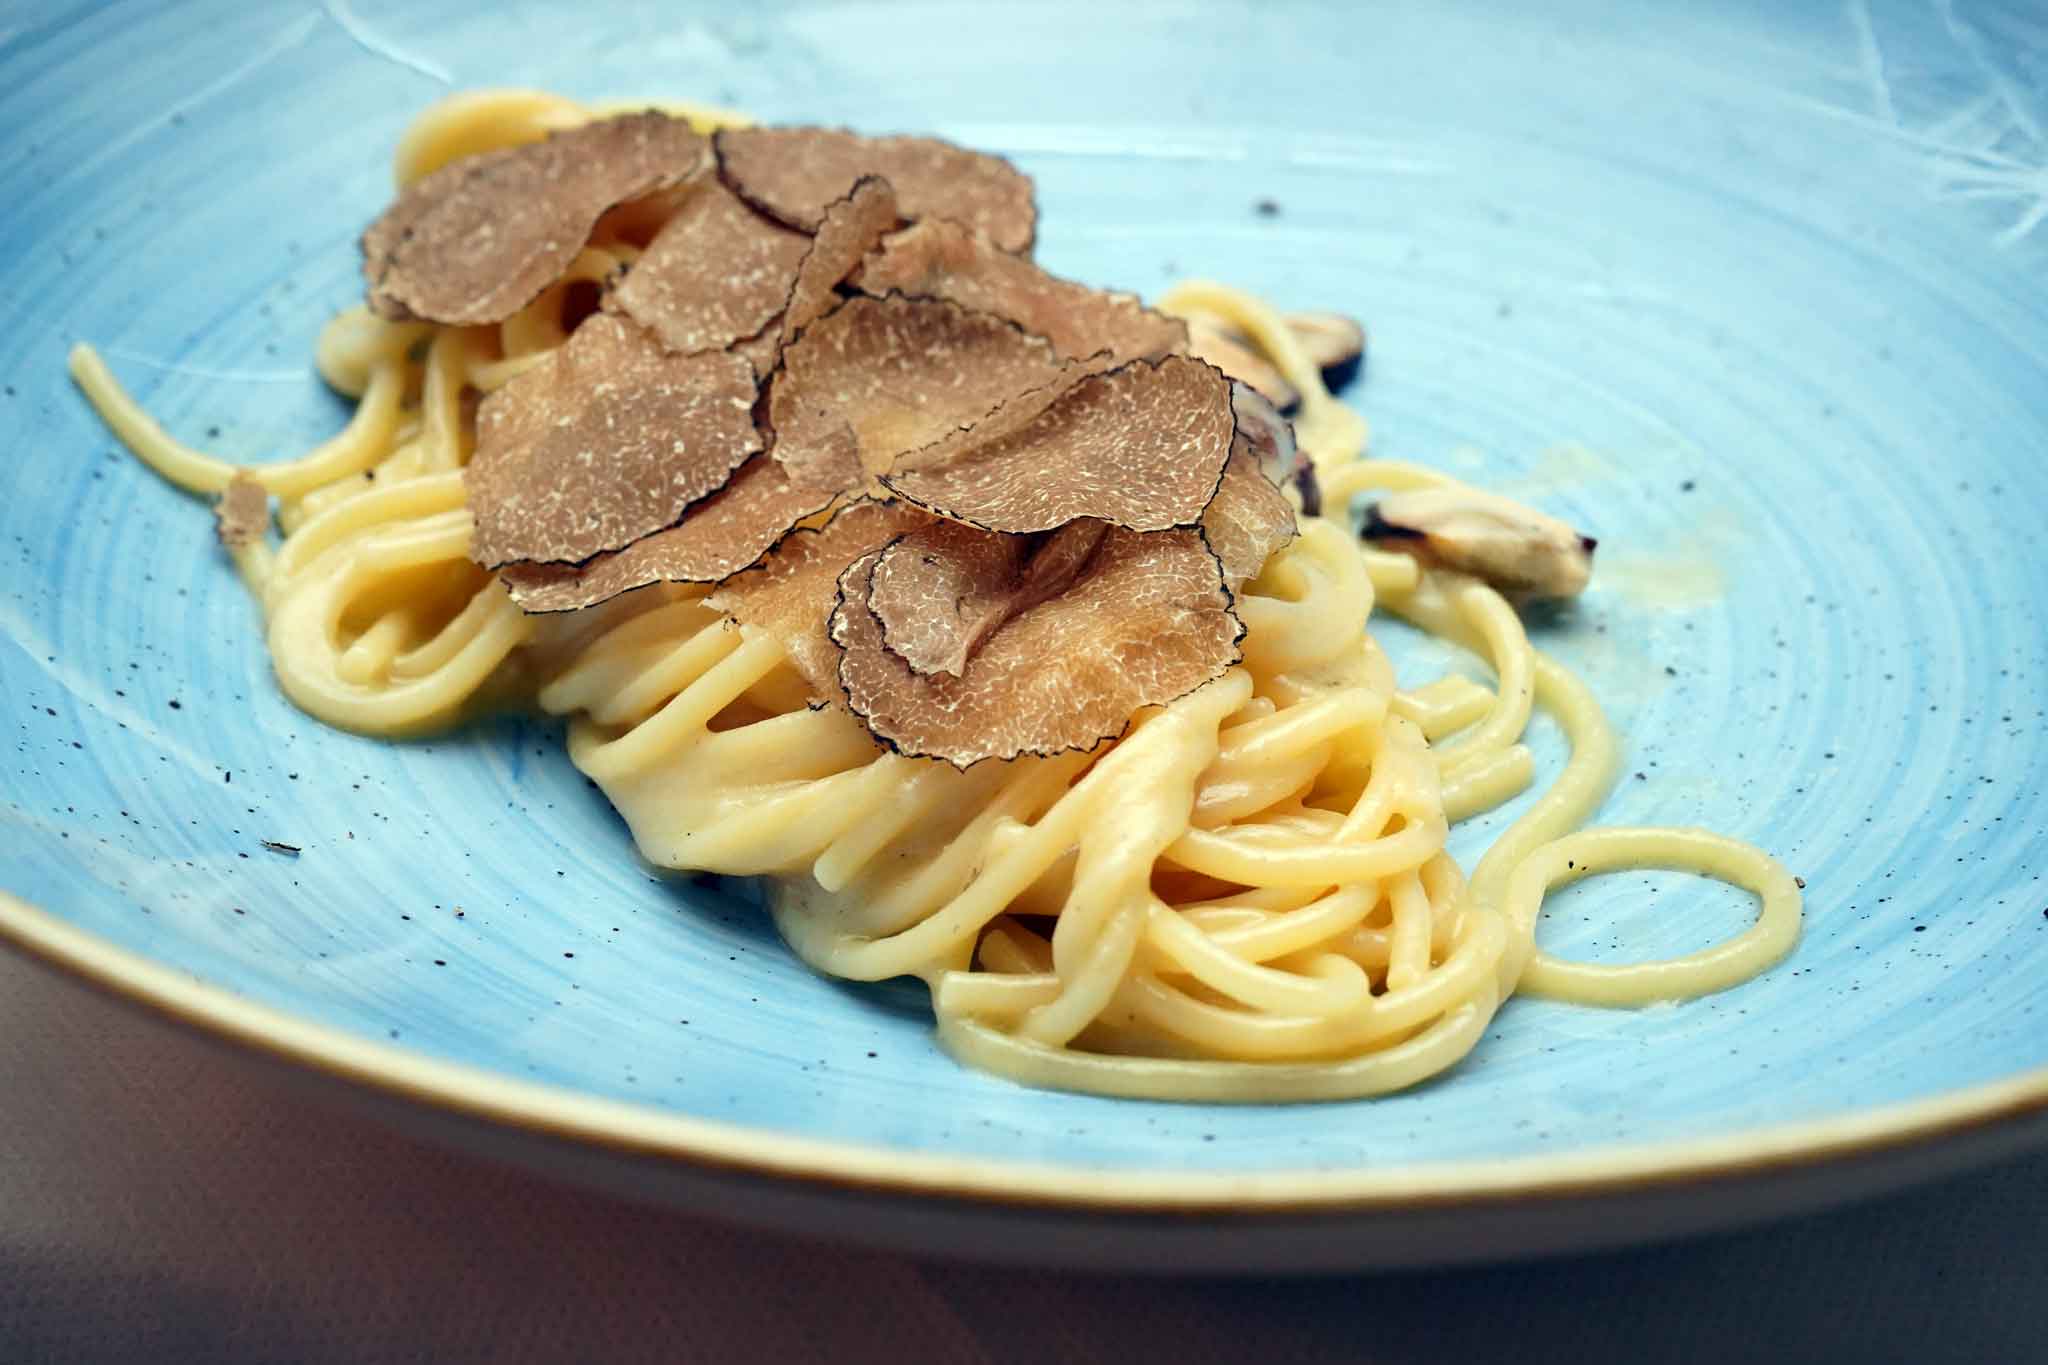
(622, 1128)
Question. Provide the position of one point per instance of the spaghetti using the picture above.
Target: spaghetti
(1246, 897)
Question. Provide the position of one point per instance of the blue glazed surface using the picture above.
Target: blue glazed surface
(1755, 294)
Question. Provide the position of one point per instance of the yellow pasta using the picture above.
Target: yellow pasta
(1247, 897)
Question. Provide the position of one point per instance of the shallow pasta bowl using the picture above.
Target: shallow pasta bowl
(1755, 297)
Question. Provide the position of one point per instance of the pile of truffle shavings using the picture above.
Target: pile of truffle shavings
(991, 511)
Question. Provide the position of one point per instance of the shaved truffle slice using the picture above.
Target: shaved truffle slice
(877, 377)
(1247, 520)
(479, 238)
(605, 441)
(760, 351)
(940, 592)
(1249, 517)
(792, 591)
(725, 533)
(243, 513)
(1142, 446)
(940, 259)
(793, 173)
(1017, 412)
(1148, 621)
(715, 274)
(850, 229)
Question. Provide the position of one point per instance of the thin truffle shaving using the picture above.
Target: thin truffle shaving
(478, 239)
(714, 275)
(792, 591)
(941, 259)
(938, 593)
(606, 440)
(1148, 622)
(794, 173)
(243, 513)
(877, 377)
(1017, 412)
(762, 349)
(725, 533)
(1247, 520)
(1142, 446)
(849, 230)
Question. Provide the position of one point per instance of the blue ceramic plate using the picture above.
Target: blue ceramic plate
(1757, 295)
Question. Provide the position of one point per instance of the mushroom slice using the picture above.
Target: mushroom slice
(725, 533)
(606, 440)
(878, 377)
(792, 590)
(478, 239)
(793, 173)
(1335, 343)
(1142, 445)
(1269, 438)
(1231, 354)
(1148, 620)
(936, 258)
(1517, 549)
(715, 274)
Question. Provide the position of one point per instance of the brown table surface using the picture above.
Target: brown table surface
(156, 1204)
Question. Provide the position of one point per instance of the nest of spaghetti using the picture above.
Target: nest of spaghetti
(984, 610)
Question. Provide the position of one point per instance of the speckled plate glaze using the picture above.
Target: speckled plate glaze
(1755, 292)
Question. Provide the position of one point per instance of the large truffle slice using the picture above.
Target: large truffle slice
(940, 259)
(1142, 446)
(793, 173)
(721, 535)
(478, 239)
(606, 440)
(849, 230)
(878, 377)
(1148, 621)
(1018, 411)
(940, 592)
(792, 591)
(715, 274)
